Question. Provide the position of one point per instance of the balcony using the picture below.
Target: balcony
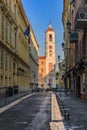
(73, 37)
(81, 19)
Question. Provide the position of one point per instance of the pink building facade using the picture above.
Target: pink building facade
(77, 73)
(80, 24)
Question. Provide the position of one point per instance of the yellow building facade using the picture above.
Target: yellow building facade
(33, 60)
(68, 48)
(14, 48)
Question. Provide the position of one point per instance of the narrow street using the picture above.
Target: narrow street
(33, 113)
(43, 64)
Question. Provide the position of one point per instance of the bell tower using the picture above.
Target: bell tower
(50, 57)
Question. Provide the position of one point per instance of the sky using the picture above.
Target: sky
(40, 14)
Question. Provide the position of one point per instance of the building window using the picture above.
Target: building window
(50, 55)
(6, 1)
(15, 10)
(50, 37)
(15, 41)
(42, 70)
(50, 47)
(85, 1)
(50, 80)
(6, 31)
(2, 26)
(10, 4)
(6, 60)
(2, 58)
(50, 50)
(10, 35)
(1, 80)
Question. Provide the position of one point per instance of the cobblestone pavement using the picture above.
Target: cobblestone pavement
(77, 118)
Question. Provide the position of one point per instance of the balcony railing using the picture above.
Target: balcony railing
(81, 18)
(73, 37)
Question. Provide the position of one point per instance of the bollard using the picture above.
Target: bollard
(66, 114)
(60, 94)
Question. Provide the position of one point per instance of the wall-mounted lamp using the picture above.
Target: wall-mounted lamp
(68, 26)
(63, 45)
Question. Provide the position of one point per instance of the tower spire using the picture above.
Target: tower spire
(50, 23)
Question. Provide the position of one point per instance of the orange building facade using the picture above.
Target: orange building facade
(42, 71)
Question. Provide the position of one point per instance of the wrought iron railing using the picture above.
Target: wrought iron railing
(81, 14)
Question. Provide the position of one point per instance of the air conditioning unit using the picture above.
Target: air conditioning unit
(81, 15)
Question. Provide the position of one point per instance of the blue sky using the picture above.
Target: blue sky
(40, 13)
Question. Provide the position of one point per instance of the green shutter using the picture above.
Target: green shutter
(85, 1)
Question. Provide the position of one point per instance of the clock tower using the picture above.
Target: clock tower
(50, 57)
